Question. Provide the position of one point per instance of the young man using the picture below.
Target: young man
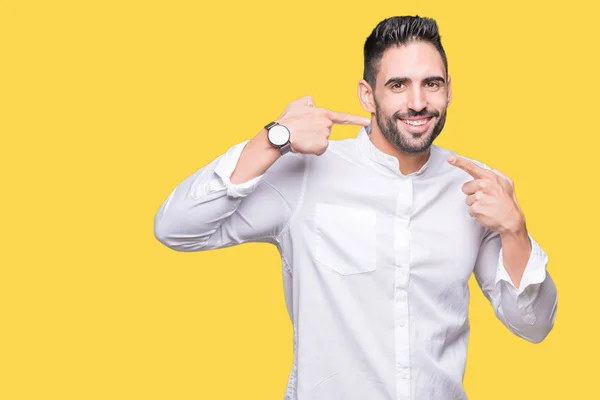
(378, 234)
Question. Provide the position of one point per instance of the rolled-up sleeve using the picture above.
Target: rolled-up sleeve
(225, 167)
(528, 311)
(206, 211)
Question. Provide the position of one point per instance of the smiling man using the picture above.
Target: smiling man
(378, 234)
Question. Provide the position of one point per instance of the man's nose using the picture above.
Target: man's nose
(416, 99)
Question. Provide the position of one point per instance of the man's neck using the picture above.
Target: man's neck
(408, 162)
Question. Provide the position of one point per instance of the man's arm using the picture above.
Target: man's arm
(526, 306)
(516, 251)
(248, 193)
(208, 211)
(511, 266)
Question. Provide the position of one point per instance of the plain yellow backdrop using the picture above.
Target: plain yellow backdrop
(107, 105)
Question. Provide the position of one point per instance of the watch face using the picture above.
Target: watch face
(279, 135)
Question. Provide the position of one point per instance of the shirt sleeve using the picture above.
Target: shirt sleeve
(533, 276)
(224, 169)
(207, 211)
(528, 311)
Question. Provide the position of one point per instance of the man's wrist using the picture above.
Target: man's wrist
(515, 230)
(514, 225)
(267, 146)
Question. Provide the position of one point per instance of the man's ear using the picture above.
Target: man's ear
(449, 90)
(366, 96)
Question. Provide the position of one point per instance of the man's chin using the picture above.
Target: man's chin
(415, 144)
(414, 150)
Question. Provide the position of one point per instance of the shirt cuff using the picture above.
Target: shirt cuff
(534, 274)
(225, 167)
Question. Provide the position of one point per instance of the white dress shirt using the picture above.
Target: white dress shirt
(375, 263)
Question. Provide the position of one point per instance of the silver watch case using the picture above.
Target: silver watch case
(279, 136)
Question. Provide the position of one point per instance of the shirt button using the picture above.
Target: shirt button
(402, 322)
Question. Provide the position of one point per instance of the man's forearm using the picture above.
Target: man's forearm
(516, 251)
(256, 158)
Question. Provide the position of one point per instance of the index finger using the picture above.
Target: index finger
(347, 119)
(469, 167)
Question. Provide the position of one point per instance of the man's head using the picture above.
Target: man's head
(405, 82)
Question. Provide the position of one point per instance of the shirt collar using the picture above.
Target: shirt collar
(370, 151)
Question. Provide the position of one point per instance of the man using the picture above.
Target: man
(378, 234)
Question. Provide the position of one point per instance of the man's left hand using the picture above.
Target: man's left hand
(491, 197)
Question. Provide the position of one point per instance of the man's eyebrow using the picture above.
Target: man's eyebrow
(434, 79)
(397, 79)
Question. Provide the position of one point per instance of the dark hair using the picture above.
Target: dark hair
(398, 31)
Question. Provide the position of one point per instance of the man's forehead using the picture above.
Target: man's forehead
(416, 60)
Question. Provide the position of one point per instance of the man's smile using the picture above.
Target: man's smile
(417, 124)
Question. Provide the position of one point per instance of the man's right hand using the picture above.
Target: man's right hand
(310, 126)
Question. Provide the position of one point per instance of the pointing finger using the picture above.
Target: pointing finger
(469, 167)
(501, 174)
(347, 119)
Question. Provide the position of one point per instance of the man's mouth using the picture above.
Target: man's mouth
(416, 125)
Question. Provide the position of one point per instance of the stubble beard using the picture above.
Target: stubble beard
(406, 141)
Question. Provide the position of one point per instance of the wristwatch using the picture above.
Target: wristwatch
(279, 136)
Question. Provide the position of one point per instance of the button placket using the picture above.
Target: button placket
(402, 222)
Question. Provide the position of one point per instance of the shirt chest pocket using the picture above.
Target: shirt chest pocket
(345, 238)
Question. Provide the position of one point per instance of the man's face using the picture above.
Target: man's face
(411, 96)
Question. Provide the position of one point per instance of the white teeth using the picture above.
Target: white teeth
(415, 123)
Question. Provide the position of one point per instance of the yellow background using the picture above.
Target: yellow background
(107, 105)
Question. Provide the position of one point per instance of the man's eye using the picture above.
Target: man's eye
(432, 85)
(397, 85)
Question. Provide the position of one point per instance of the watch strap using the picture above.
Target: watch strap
(271, 124)
(286, 148)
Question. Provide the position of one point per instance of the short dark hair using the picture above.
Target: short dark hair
(398, 31)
